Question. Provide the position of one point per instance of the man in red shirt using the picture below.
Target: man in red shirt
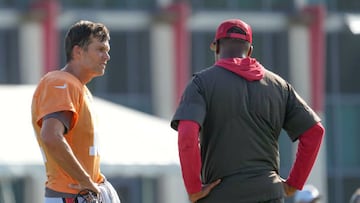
(229, 121)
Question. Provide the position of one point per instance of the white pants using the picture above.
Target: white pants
(107, 195)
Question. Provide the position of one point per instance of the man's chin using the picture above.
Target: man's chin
(99, 74)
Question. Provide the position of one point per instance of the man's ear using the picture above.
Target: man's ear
(217, 47)
(76, 51)
(250, 50)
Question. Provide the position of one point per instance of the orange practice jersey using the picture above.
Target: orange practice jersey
(61, 91)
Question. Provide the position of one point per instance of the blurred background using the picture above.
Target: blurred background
(155, 47)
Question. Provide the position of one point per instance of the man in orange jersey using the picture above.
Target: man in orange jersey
(64, 120)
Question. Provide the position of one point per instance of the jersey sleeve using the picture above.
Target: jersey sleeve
(307, 152)
(192, 105)
(189, 154)
(299, 116)
(55, 96)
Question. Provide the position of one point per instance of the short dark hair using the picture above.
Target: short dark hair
(80, 34)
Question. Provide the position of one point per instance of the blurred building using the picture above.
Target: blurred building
(157, 44)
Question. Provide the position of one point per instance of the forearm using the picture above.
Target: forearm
(62, 154)
(59, 150)
(189, 154)
(308, 148)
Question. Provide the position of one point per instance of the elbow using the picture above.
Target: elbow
(186, 143)
(320, 130)
(47, 141)
(50, 140)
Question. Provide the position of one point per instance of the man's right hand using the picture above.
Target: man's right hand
(204, 191)
(89, 185)
(288, 189)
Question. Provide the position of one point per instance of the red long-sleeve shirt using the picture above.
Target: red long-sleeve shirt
(308, 148)
(189, 154)
(190, 159)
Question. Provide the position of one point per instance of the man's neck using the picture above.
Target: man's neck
(72, 69)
